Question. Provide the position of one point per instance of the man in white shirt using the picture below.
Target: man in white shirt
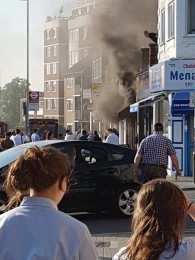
(71, 136)
(18, 138)
(111, 137)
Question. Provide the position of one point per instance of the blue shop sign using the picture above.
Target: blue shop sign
(181, 104)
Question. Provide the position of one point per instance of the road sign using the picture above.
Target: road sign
(33, 107)
(33, 96)
(88, 107)
(96, 94)
(192, 99)
(86, 93)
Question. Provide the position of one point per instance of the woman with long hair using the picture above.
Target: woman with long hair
(158, 224)
(35, 229)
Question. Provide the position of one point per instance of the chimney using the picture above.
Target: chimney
(144, 59)
(153, 51)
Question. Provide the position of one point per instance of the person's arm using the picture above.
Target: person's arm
(136, 164)
(176, 165)
(190, 208)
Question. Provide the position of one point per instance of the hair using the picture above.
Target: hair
(35, 130)
(8, 134)
(38, 169)
(158, 221)
(158, 127)
(95, 132)
(84, 132)
(17, 131)
(110, 130)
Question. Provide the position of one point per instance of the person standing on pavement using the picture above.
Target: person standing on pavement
(35, 137)
(97, 138)
(111, 137)
(153, 152)
(18, 138)
(158, 224)
(37, 229)
(71, 136)
(83, 135)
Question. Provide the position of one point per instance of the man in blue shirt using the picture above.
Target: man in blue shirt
(154, 151)
(35, 137)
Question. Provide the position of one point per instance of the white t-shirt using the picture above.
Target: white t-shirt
(18, 139)
(186, 251)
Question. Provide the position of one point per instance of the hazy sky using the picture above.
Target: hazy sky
(13, 37)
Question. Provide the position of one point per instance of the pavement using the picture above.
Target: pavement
(108, 244)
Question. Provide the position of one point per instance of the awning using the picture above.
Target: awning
(181, 103)
(147, 101)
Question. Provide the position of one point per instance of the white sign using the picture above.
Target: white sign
(172, 75)
(86, 93)
(96, 94)
(33, 107)
(192, 99)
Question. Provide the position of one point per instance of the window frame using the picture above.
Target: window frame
(69, 104)
(171, 19)
(162, 19)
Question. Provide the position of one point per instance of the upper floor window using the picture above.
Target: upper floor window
(191, 17)
(47, 86)
(48, 34)
(54, 68)
(48, 51)
(48, 104)
(54, 86)
(162, 36)
(69, 82)
(53, 103)
(54, 33)
(48, 69)
(97, 68)
(74, 35)
(73, 57)
(171, 20)
(54, 50)
(69, 104)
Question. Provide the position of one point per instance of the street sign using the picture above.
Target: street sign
(192, 99)
(96, 94)
(33, 96)
(88, 107)
(33, 107)
(86, 93)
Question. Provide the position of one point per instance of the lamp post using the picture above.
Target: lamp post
(27, 68)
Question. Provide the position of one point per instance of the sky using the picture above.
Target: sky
(13, 52)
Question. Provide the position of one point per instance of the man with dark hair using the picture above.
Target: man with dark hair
(111, 137)
(154, 151)
(35, 137)
(152, 36)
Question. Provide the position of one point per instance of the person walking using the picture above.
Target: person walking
(83, 135)
(158, 224)
(35, 137)
(153, 152)
(36, 229)
(18, 138)
(111, 137)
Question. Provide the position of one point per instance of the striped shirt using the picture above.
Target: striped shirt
(155, 149)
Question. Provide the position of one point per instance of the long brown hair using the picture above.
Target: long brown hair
(158, 221)
(39, 169)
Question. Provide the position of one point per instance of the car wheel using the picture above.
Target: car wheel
(124, 201)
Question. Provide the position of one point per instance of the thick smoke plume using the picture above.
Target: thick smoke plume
(119, 26)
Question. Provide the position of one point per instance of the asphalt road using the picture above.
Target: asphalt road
(108, 224)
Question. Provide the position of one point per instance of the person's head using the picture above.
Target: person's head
(35, 130)
(95, 133)
(146, 33)
(17, 131)
(84, 132)
(158, 127)
(159, 217)
(38, 171)
(109, 131)
(7, 135)
(68, 132)
(13, 132)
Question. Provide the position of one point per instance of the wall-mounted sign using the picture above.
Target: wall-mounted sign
(172, 75)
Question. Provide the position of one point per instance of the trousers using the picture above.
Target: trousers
(152, 172)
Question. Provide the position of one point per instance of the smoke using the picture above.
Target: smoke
(119, 26)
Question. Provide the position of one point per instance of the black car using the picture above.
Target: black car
(103, 172)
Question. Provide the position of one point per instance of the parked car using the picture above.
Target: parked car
(103, 172)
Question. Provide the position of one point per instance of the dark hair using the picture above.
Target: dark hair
(158, 221)
(110, 130)
(38, 169)
(158, 127)
(35, 130)
(95, 132)
(17, 131)
(67, 131)
(84, 132)
(8, 134)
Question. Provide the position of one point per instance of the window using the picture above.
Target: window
(83, 32)
(69, 104)
(47, 86)
(97, 68)
(54, 32)
(191, 17)
(70, 82)
(53, 103)
(162, 39)
(117, 154)
(73, 57)
(74, 35)
(48, 52)
(48, 104)
(48, 34)
(53, 86)
(54, 68)
(171, 20)
(54, 50)
(48, 69)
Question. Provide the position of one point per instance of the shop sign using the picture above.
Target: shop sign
(175, 75)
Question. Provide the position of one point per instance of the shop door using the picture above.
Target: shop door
(190, 145)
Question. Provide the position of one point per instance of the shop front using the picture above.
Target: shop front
(176, 78)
